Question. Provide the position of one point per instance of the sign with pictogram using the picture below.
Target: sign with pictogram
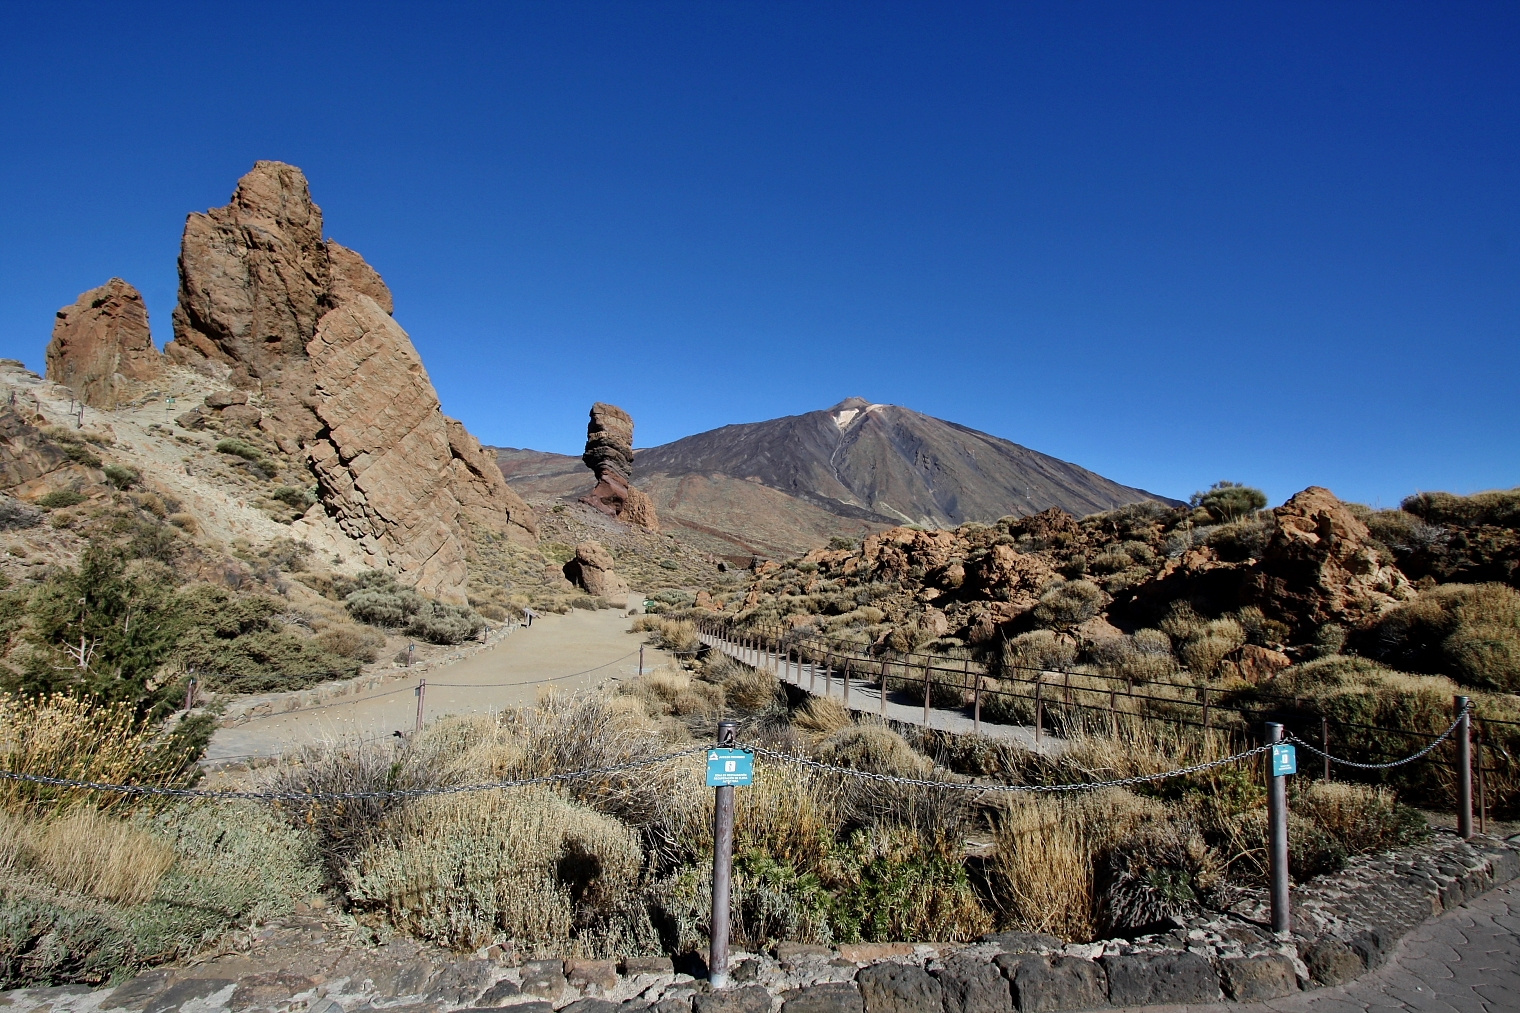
(730, 768)
(1284, 760)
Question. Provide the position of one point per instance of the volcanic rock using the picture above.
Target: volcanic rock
(101, 346)
(1319, 567)
(591, 570)
(306, 324)
(609, 453)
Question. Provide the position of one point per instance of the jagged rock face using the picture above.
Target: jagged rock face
(609, 453)
(102, 348)
(591, 570)
(1319, 568)
(307, 322)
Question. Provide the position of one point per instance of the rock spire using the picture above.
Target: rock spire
(267, 303)
(102, 348)
(609, 453)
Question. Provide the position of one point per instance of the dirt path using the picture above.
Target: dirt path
(574, 651)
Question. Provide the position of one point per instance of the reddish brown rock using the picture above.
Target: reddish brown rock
(102, 348)
(306, 324)
(1319, 568)
(1260, 664)
(609, 453)
(591, 570)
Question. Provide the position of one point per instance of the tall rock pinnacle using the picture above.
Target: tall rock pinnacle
(101, 346)
(270, 305)
(609, 453)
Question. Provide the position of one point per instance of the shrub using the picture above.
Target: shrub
(85, 852)
(1362, 819)
(1069, 604)
(15, 514)
(298, 499)
(60, 498)
(873, 748)
(1039, 650)
(1468, 631)
(238, 448)
(1153, 881)
(380, 601)
(185, 522)
(121, 476)
(1207, 649)
(354, 642)
(1230, 501)
(1500, 508)
(1144, 657)
(1240, 541)
(522, 864)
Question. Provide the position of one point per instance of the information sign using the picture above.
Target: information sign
(1284, 760)
(730, 768)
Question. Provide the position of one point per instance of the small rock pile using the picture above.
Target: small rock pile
(1343, 925)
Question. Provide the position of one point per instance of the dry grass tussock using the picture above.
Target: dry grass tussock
(62, 736)
(675, 635)
(822, 716)
(85, 852)
(670, 691)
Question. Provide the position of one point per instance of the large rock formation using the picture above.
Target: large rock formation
(1319, 567)
(609, 453)
(591, 570)
(265, 301)
(102, 348)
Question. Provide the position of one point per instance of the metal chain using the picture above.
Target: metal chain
(863, 775)
(1466, 710)
(343, 796)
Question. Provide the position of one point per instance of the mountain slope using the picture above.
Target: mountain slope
(789, 484)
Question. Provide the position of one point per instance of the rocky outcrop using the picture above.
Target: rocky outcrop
(1319, 567)
(609, 453)
(305, 323)
(591, 570)
(102, 348)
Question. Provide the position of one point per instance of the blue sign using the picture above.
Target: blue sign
(1284, 760)
(730, 768)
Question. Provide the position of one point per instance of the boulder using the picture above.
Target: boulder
(102, 348)
(1260, 664)
(1255, 979)
(1318, 566)
(591, 570)
(749, 999)
(830, 997)
(306, 323)
(609, 453)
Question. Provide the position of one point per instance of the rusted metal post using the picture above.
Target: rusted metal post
(884, 664)
(846, 682)
(1482, 786)
(1324, 742)
(1205, 707)
(1464, 768)
(723, 865)
(190, 689)
(421, 701)
(1039, 707)
(641, 661)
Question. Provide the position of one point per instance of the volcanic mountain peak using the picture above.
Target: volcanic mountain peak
(852, 409)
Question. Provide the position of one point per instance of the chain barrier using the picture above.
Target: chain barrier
(343, 796)
(864, 775)
(1455, 724)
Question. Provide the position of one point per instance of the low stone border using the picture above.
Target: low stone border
(1343, 926)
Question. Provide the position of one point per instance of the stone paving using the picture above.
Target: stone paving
(1466, 961)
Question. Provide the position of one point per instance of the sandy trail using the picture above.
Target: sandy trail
(572, 652)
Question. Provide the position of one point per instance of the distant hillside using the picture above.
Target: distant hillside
(789, 484)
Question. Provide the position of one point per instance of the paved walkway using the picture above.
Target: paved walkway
(572, 652)
(865, 697)
(1466, 961)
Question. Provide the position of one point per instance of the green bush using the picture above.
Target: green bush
(1230, 501)
(298, 499)
(121, 476)
(1500, 508)
(60, 498)
(238, 448)
(380, 601)
(1069, 604)
(1470, 632)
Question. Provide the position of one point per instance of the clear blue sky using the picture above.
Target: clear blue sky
(1277, 243)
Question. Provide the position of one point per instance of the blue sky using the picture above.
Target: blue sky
(1276, 243)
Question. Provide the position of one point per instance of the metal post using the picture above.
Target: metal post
(1482, 787)
(190, 693)
(1039, 708)
(641, 661)
(1464, 769)
(926, 693)
(884, 670)
(723, 854)
(1277, 836)
(1324, 743)
(846, 675)
(1205, 707)
(813, 674)
(828, 673)
(421, 697)
(976, 699)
